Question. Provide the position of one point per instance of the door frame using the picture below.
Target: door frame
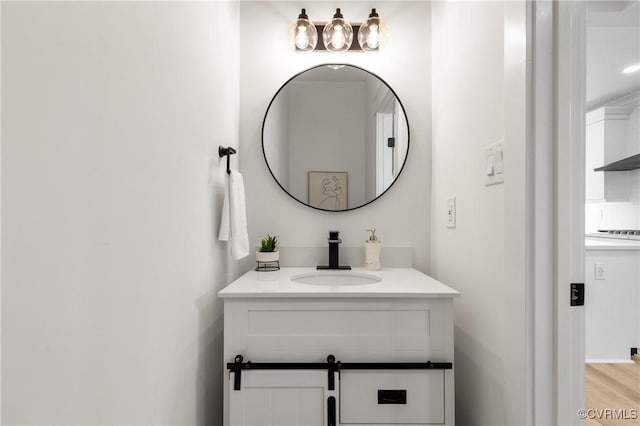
(557, 87)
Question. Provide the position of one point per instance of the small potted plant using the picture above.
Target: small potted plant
(268, 251)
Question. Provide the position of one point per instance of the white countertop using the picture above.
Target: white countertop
(595, 243)
(396, 282)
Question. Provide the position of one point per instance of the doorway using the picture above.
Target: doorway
(612, 214)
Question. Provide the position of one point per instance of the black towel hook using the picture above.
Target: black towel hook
(226, 151)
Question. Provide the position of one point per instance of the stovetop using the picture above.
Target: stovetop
(622, 234)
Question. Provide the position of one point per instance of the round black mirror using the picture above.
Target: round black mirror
(335, 137)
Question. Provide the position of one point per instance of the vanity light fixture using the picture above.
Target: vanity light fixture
(338, 34)
(303, 35)
(373, 33)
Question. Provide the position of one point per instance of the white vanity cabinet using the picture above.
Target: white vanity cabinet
(382, 336)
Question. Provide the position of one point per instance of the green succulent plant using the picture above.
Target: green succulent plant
(269, 243)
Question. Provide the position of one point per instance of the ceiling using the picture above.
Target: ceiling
(613, 43)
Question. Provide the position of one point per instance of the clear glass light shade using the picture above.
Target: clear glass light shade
(303, 35)
(373, 33)
(337, 34)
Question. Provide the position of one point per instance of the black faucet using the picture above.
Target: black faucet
(334, 258)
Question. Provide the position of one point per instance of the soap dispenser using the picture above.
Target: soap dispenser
(372, 251)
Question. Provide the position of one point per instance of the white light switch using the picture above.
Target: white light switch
(498, 163)
(451, 212)
(489, 164)
(493, 164)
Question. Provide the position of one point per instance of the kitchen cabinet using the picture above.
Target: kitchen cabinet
(612, 300)
(605, 139)
(391, 345)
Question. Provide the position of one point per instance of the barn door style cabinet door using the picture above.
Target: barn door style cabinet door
(295, 398)
(334, 393)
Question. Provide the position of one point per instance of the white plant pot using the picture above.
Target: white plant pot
(267, 256)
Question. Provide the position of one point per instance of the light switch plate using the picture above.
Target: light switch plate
(451, 212)
(493, 164)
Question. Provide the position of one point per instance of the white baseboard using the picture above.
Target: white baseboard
(609, 361)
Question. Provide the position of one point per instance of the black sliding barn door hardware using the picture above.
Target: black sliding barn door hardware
(332, 366)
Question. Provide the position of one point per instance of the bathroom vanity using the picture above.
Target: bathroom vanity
(307, 347)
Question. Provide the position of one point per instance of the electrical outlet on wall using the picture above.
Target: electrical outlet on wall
(600, 271)
(451, 212)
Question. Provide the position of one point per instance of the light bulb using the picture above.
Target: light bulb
(337, 34)
(373, 38)
(373, 33)
(302, 38)
(338, 38)
(303, 35)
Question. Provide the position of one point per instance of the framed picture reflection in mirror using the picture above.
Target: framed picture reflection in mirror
(328, 190)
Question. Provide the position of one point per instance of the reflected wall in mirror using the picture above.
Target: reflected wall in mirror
(335, 137)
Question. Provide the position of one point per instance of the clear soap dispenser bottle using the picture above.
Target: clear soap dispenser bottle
(372, 251)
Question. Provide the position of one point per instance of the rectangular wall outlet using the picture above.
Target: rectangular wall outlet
(451, 212)
(600, 271)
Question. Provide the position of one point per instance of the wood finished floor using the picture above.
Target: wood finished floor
(613, 386)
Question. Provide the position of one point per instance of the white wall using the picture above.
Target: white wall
(622, 215)
(402, 215)
(479, 99)
(276, 137)
(112, 115)
(336, 143)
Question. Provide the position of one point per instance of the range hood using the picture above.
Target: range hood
(629, 163)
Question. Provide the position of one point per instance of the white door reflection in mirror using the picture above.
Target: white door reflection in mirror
(384, 145)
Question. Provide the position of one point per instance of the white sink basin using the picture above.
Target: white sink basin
(337, 278)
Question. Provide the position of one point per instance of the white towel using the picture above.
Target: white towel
(233, 225)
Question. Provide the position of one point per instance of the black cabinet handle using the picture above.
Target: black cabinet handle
(331, 411)
(392, 396)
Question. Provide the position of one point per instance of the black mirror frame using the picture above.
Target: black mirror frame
(405, 157)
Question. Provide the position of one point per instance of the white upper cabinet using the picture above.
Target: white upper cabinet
(606, 142)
